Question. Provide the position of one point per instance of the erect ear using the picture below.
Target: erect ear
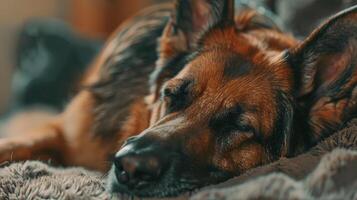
(192, 17)
(189, 20)
(326, 76)
(249, 18)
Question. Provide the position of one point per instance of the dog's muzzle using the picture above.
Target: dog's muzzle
(139, 162)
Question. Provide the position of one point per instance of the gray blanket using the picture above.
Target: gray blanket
(334, 178)
(328, 171)
(36, 180)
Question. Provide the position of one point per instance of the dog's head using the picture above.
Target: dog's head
(232, 101)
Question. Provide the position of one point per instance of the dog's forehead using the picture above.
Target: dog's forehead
(235, 66)
(239, 62)
(227, 78)
(226, 61)
(232, 67)
(220, 67)
(226, 52)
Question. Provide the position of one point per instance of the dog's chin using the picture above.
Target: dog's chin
(153, 189)
(170, 187)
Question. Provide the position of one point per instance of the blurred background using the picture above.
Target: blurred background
(24, 24)
(47, 44)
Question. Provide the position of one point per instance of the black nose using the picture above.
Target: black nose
(133, 169)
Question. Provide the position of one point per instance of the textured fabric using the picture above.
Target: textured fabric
(334, 178)
(36, 180)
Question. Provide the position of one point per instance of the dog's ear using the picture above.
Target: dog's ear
(250, 18)
(193, 17)
(325, 66)
(189, 20)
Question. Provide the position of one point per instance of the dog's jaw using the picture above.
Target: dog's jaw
(164, 190)
(169, 186)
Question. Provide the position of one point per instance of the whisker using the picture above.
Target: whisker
(105, 175)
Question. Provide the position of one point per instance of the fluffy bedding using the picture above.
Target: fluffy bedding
(328, 171)
(36, 180)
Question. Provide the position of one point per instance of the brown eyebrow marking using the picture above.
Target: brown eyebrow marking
(236, 66)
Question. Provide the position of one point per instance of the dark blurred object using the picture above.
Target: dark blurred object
(302, 16)
(50, 59)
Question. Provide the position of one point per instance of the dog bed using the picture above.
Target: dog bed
(36, 180)
(328, 171)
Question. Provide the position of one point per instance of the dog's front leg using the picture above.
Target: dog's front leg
(45, 142)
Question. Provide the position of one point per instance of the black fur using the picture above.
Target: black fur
(179, 97)
(236, 66)
(279, 143)
(127, 69)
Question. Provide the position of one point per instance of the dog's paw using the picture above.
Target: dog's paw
(13, 150)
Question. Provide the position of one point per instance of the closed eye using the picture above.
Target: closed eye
(230, 132)
(177, 95)
(244, 128)
(231, 121)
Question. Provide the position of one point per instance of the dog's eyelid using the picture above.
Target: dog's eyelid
(245, 122)
(234, 119)
(177, 94)
(180, 87)
(249, 134)
(167, 92)
(244, 127)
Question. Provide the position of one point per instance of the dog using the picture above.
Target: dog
(228, 92)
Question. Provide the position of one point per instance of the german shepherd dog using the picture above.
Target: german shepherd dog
(228, 92)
